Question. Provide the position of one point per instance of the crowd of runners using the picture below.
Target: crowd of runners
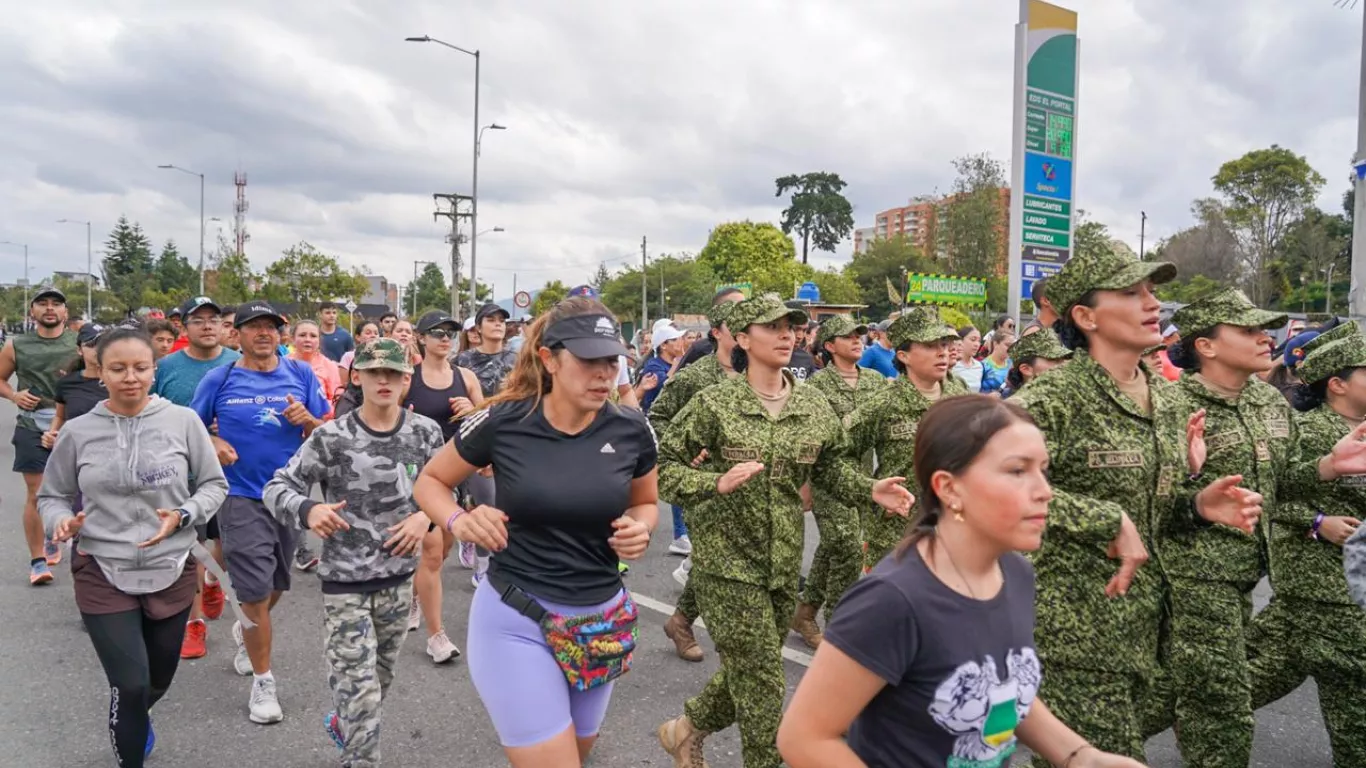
(1076, 515)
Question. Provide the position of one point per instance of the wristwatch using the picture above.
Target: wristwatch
(184, 519)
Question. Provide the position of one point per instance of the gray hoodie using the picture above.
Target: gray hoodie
(127, 468)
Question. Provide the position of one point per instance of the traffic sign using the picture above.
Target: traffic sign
(522, 300)
(351, 306)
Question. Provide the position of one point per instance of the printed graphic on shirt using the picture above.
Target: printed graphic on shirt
(984, 710)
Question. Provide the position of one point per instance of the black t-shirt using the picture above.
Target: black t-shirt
(79, 394)
(561, 493)
(435, 404)
(961, 673)
(802, 364)
(699, 349)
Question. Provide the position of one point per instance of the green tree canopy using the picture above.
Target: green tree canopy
(174, 275)
(128, 264)
(553, 293)
(974, 230)
(818, 209)
(429, 291)
(687, 283)
(309, 277)
(837, 287)
(885, 259)
(745, 251)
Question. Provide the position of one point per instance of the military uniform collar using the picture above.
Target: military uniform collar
(1088, 365)
(1252, 393)
(798, 403)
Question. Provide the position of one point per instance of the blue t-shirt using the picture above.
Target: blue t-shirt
(178, 374)
(879, 359)
(247, 405)
(337, 343)
(660, 368)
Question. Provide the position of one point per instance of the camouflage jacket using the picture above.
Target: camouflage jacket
(843, 398)
(373, 474)
(753, 535)
(1108, 458)
(680, 388)
(1302, 567)
(886, 422)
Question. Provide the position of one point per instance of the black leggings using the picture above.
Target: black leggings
(139, 656)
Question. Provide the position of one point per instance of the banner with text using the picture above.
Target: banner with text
(943, 289)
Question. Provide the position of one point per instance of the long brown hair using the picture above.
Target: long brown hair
(950, 437)
(529, 380)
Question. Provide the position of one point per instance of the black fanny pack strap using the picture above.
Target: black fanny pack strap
(515, 598)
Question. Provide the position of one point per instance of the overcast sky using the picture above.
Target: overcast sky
(623, 118)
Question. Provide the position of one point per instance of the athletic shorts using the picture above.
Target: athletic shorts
(96, 596)
(256, 547)
(30, 457)
(209, 531)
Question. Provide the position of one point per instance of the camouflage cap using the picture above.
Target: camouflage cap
(382, 353)
(1327, 360)
(1102, 270)
(762, 310)
(1338, 332)
(1227, 307)
(1042, 343)
(836, 326)
(1154, 349)
(719, 313)
(920, 325)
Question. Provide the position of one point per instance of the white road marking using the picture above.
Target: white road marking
(659, 606)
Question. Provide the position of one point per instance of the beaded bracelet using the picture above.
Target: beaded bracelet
(1314, 529)
(450, 521)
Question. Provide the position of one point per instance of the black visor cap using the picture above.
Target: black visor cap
(587, 337)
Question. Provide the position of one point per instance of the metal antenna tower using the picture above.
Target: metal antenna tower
(239, 212)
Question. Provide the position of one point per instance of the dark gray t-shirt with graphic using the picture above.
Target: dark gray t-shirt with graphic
(961, 673)
(490, 369)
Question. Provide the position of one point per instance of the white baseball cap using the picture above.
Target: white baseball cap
(665, 333)
(662, 322)
(469, 323)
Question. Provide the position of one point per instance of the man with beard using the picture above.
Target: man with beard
(36, 360)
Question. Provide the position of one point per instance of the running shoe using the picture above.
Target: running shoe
(304, 559)
(467, 555)
(214, 599)
(481, 569)
(195, 644)
(241, 662)
(332, 724)
(151, 740)
(682, 571)
(415, 615)
(39, 573)
(52, 552)
(264, 705)
(681, 546)
(441, 649)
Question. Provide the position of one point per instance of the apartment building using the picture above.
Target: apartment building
(920, 221)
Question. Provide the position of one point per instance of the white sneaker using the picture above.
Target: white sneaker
(467, 555)
(415, 615)
(682, 571)
(264, 704)
(681, 546)
(441, 649)
(241, 663)
(481, 569)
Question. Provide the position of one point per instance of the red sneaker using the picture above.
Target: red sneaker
(196, 640)
(213, 600)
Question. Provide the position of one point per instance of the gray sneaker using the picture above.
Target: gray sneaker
(241, 663)
(264, 704)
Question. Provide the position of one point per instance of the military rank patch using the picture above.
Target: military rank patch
(741, 454)
(1114, 459)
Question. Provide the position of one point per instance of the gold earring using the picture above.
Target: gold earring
(957, 512)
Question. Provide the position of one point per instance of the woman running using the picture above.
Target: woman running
(81, 389)
(445, 395)
(368, 331)
(308, 340)
(1032, 355)
(996, 365)
(551, 626)
(930, 660)
(131, 460)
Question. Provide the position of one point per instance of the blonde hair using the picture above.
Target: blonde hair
(529, 380)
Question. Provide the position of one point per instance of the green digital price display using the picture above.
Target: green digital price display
(1058, 136)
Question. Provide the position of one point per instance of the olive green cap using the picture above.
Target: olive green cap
(717, 314)
(836, 326)
(1153, 349)
(1328, 359)
(1043, 343)
(920, 325)
(382, 353)
(1227, 307)
(1102, 270)
(762, 310)
(1345, 330)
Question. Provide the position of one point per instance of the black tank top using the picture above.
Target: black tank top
(435, 404)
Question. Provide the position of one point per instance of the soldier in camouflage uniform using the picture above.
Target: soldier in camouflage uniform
(365, 463)
(1116, 440)
(886, 420)
(678, 391)
(764, 438)
(1032, 355)
(839, 555)
(1312, 628)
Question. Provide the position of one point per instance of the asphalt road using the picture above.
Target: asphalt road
(53, 696)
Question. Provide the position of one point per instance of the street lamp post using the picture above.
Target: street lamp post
(25, 247)
(89, 271)
(169, 167)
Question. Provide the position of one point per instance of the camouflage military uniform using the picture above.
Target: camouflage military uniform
(747, 545)
(1312, 628)
(886, 422)
(374, 475)
(1042, 344)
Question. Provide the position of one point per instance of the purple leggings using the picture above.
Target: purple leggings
(517, 678)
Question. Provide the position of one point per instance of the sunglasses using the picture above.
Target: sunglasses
(441, 334)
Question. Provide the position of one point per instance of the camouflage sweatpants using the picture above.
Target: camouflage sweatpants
(838, 556)
(881, 534)
(1294, 639)
(364, 634)
(1105, 708)
(748, 624)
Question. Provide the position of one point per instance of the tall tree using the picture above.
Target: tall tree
(818, 209)
(974, 230)
(309, 277)
(1265, 191)
(688, 287)
(232, 280)
(1316, 256)
(553, 293)
(128, 264)
(837, 287)
(748, 252)
(429, 291)
(601, 278)
(884, 260)
(1209, 248)
(174, 273)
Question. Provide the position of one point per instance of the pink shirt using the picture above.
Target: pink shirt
(327, 372)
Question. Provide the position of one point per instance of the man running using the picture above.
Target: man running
(336, 341)
(178, 376)
(265, 405)
(36, 359)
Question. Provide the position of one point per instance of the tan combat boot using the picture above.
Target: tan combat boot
(679, 630)
(683, 742)
(804, 624)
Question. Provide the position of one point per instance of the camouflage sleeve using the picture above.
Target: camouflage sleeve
(286, 495)
(1354, 565)
(670, 401)
(840, 468)
(1301, 482)
(689, 433)
(1072, 513)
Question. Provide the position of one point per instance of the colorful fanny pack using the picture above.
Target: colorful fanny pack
(591, 649)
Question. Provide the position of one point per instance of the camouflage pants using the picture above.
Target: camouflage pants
(881, 534)
(364, 634)
(1105, 708)
(748, 624)
(687, 603)
(1294, 639)
(838, 556)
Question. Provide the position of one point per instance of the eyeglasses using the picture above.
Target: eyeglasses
(441, 334)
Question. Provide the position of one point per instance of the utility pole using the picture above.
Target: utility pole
(644, 300)
(1142, 232)
(454, 213)
(1356, 303)
(662, 313)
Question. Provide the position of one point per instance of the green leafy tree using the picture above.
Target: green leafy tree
(601, 278)
(1188, 290)
(1264, 192)
(974, 228)
(128, 264)
(837, 287)
(817, 210)
(745, 251)
(1315, 256)
(1209, 247)
(231, 279)
(553, 293)
(889, 259)
(428, 292)
(309, 277)
(175, 276)
(1090, 237)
